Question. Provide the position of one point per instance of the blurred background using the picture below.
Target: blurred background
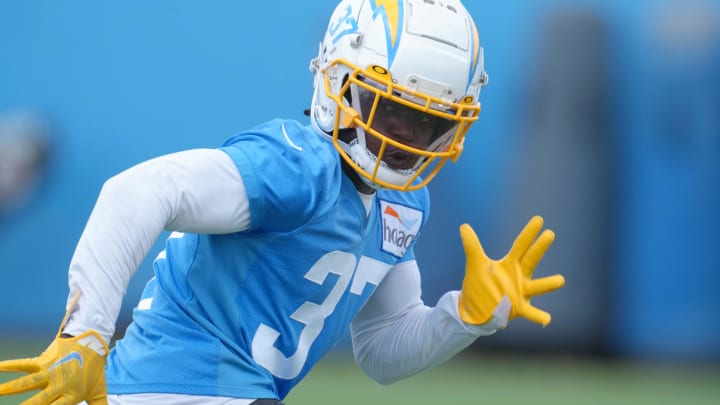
(601, 116)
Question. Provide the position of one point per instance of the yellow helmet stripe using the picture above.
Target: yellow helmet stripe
(391, 12)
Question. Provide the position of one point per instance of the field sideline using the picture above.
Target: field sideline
(475, 378)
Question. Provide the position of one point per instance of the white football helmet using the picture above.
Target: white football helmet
(397, 86)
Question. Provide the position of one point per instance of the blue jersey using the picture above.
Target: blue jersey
(248, 314)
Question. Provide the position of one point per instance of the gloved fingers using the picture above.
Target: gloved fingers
(536, 251)
(20, 366)
(46, 396)
(526, 237)
(544, 285)
(25, 383)
(474, 252)
(534, 314)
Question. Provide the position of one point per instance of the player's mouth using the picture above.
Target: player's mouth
(399, 160)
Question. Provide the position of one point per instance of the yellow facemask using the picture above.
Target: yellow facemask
(401, 133)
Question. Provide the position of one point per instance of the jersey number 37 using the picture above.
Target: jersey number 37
(312, 315)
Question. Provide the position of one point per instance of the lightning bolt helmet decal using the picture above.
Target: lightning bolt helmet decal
(393, 16)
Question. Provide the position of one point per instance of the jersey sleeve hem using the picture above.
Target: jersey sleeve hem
(249, 177)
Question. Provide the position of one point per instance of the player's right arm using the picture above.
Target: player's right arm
(198, 191)
(193, 191)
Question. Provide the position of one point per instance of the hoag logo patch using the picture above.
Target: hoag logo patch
(400, 225)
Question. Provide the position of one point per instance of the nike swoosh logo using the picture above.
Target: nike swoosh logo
(70, 357)
(289, 141)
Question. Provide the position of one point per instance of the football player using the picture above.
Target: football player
(289, 234)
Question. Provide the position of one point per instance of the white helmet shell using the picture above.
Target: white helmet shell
(430, 48)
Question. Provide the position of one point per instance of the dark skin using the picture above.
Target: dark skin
(405, 125)
(400, 124)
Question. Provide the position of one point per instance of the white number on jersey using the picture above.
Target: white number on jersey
(313, 315)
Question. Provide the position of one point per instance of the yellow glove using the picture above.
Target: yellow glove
(67, 372)
(489, 283)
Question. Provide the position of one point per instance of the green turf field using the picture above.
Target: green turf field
(486, 379)
(481, 379)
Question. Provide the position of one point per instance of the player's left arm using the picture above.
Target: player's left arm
(396, 335)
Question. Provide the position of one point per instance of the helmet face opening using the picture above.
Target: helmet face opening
(417, 130)
(400, 133)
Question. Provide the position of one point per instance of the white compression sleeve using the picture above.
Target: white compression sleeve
(197, 191)
(396, 335)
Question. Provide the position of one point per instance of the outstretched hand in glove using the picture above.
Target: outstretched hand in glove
(503, 288)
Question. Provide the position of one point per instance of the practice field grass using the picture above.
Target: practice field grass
(484, 379)
(475, 378)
